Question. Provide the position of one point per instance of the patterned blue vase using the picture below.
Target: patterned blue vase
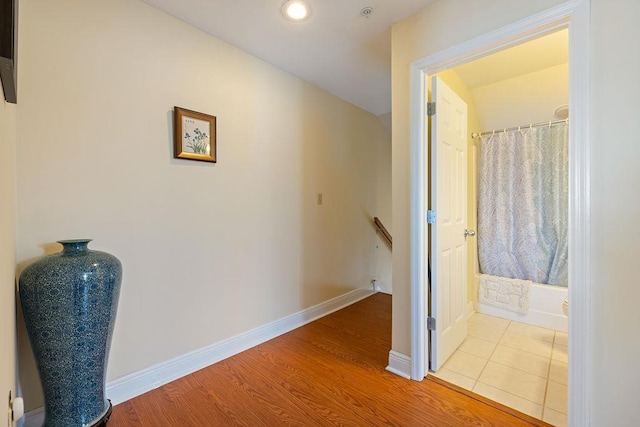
(69, 300)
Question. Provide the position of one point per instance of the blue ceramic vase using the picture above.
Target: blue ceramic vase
(69, 301)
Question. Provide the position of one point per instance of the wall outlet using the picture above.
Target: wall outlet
(16, 410)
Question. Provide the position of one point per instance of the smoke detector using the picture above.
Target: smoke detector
(366, 12)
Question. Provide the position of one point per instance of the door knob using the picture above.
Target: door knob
(469, 233)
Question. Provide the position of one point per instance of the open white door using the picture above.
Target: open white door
(448, 188)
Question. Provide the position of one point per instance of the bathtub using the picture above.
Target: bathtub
(545, 308)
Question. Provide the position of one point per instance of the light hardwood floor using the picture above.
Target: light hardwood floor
(329, 372)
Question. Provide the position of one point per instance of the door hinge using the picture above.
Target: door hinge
(431, 323)
(431, 217)
(431, 108)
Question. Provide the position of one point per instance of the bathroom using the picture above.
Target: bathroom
(527, 335)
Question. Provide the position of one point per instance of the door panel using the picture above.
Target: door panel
(449, 201)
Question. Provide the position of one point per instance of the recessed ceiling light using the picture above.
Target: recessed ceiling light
(296, 10)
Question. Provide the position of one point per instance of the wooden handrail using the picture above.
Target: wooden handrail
(381, 228)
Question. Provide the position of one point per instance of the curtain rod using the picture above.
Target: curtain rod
(491, 132)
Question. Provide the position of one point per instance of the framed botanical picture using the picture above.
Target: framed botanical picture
(195, 135)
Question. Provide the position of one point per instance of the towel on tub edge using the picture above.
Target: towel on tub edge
(509, 294)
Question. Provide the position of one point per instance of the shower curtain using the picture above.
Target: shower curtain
(523, 204)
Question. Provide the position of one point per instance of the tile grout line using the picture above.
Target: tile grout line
(523, 371)
(546, 389)
(554, 343)
(530, 352)
(489, 358)
(549, 358)
(511, 394)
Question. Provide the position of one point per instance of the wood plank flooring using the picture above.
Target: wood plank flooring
(330, 372)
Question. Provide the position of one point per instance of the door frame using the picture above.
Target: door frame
(574, 14)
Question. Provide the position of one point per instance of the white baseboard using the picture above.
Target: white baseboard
(137, 383)
(34, 418)
(399, 364)
(470, 310)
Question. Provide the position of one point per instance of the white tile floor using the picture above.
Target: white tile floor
(518, 365)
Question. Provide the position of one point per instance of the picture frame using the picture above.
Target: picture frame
(194, 135)
(8, 33)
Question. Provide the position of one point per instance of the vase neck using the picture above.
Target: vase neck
(74, 246)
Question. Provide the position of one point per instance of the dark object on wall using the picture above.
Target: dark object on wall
(195, 135)
(7, 49)
(69, 301)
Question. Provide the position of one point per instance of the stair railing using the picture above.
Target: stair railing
(380, 228)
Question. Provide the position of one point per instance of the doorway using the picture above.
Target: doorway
(574, 16)
(514, 352)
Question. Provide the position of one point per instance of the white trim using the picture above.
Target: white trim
(34, 418)
(399, 364)
(576, 15)
(580, 384)
(418, 225)
(542, 23)
(470, 310)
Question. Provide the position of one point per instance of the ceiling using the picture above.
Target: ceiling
(336, 49)
(535, 55)
(340, 50)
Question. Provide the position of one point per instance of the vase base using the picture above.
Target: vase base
(102, 422)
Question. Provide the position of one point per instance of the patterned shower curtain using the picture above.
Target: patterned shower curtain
(523, 204)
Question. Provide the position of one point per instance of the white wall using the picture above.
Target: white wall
(382, 185)
(615, 209)
(209, 251)
(522, 100)
(615, 177)
(7, 252)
